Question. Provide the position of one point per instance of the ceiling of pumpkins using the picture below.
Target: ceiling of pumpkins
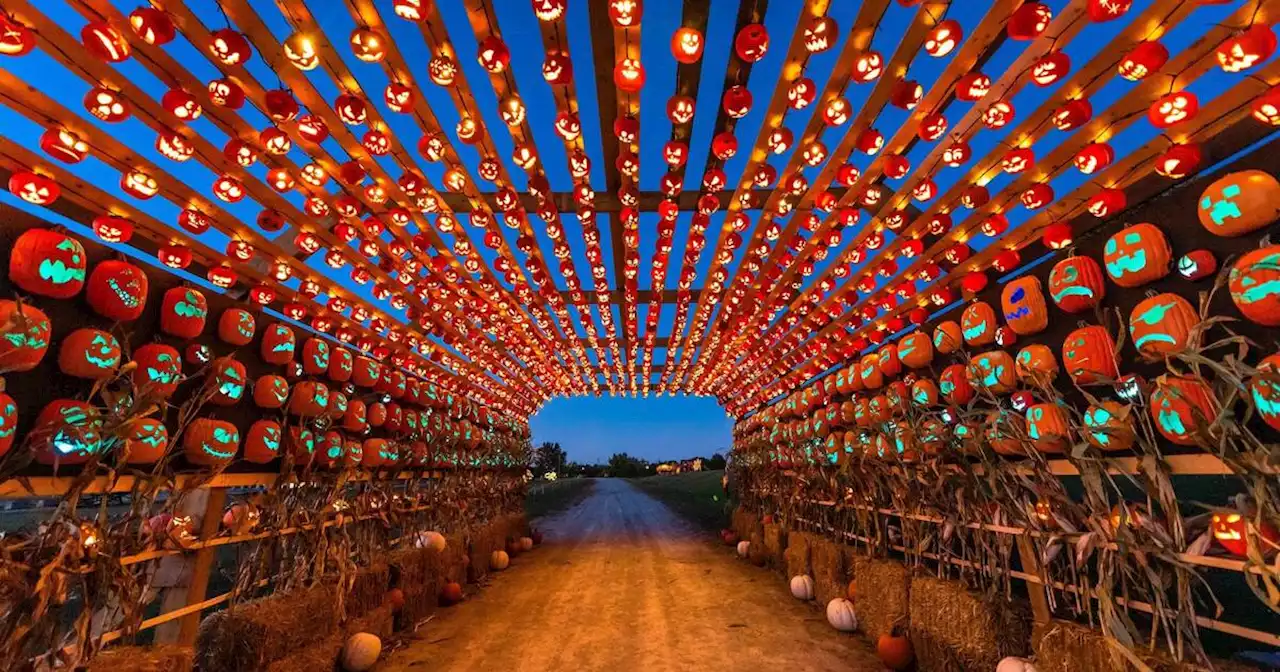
(533, 198)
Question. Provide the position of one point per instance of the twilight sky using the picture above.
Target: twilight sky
(656, 428)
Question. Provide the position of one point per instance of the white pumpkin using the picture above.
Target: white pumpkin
(433, 540)
(1015, 664)
(360, 652)
(841, 616)
(744, 547)
(526, 543)
(802, 587)
(499, 560)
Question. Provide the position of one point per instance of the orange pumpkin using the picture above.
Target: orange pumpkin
(278, 344)
(8, 422)
(978, 324)
(366, 372)
(315, 356)
(955, 386)
(379, 453)
(1022, 302)
(1161, 325)
(887, 360)
(158, 370)
(1137, 255)
(146, 441)
(842, 382)
(183, 312)
(89, 353)
(1254, 283)
(356, 418)
(895, 652)
(924, 393)
(1089, 356)
(24, 336)
(300, 442)
(270, 392)
(67, 431)
(869, 371)
(309, 399)
(1036, 364)
(210, 442)
(948, 337)
(341, 364)
(378, 414)
(262, 442)
(915, 350)
(1048, 429)
(992, 371)
(853, 378)
(117, 290)
(330, 449)
(229, 381)
(1004, 432)
(48, 263)
(1183, 409)
(1239, 203)
(236, 326)
(1264, 391)
(1076, 284)
(1110, 426)
(898, 396)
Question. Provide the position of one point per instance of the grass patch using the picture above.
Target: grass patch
(551, 497)
(697, 496)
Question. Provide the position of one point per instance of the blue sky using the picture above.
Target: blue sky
(590, 428)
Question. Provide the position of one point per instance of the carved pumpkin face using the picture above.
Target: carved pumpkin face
(366, 372)
(868, 67)
(158, 370)
(1109, 426)
(15, 38)
(954, 385)
(1022, 303)
(752, 42)
(210, 442)
(1254, 283)
(24, 336)
(1183, 409)
(1172, 109)
(356, 418)
(943, 38)
(924, 393)
(278, 345)
(1004, 430)
(139, 185)
(262, 442)
(1089, 355)
(1048, 429)
(183, 312)
(1239, 203)
(1036, 364)
(228, 381)
(1161, 325)
(992, 371)
(1076, 285)
(8, 422)
(48, 263)
(315, 357)
(146, 441)
(64, 145)
(309, 399)
(1137, 255)
(230, 47)
(270, 392)
(978, 324)
(70, 433)
(89, 353)
(916, 350)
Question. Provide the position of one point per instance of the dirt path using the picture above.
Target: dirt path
(623, 584)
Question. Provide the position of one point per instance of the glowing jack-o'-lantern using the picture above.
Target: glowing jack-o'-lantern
(64, 145)
(209, 442)
(626, 13)
(978, 324)
(906, 94)
(752, 42)
(954, 385)
(1076, 284)
(278, 344)
(173, 146)
(228, 189)
(1239, 203)
(1143, 60)
(916, 350)
(557, 68)
(1048, 429)
(183, 312)
(1018, 160)
(1089, 355)
(24, 336)
(943, 38)
(113, 229)
(1197, 265)
(182, 105)
(15, 38)
(1179, 161)
(993, 371)
(549, 10)
(117, 290)
(351, 109)
(1254, 283)
(152, 25)
(89, 353)
(70, 432)
(1094, 157)
(1184, 409)
(1246, 49)
(1108, 10)
(228, 381)
(1172, 109)
(629, 75)
(1050, 68)
(158, 370)
(868, 67)
(821, 34)
(1023, 305)
(34, 188)
(230, 47)
(398, 97)
(368, 45)
(442, 70)
(1072, 115)
(948, 337)
(226, 93)
(107, 105)
(301, 51)
(146, 442)
(138, 184)
(262, 442)
(1232, 530)
(1109, 426)
(1137, 255)
(998, 114)
(236, 326)
(687, 45)
(1029, 21)
(48, 263)
(1036, 364)
(103, 40)
(1161, 325)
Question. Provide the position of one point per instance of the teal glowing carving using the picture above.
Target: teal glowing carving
(1151, 317)
(1069, 277)
(1265, 393)
(962, 431)
(947, 386)
(36, 336)
(191, 305)
(244, 325)
(321, 396)
(232, 386)
(153, 434)
(57, 271)
(990, 374)
(939, 338)
(279, 389)
(1172, 422)
(840, 381)
(905, 351)
(321, 355)
(78, 434)
(271, 438)
(920, 396)
(164, 376)
(222, 436)
(371, 370)
(1096, 419)
(103, 343)
(335, 449)
(339, 402)
(1220, 211)
(128, 295)
(285, 345)
(1251, 290)
(308, 440)
(1117, 264)
(8, 420)
(976, 331)
(1034, 416)
(1187, 267)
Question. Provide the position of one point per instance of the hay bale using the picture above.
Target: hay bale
(775, 543)
(249, 636)
(746, 524)
(797, 554)
(324, 655)
(883, 593)
(827, 563)
(1063, 646)
(368, 590)
(953, 629)
(159, 658)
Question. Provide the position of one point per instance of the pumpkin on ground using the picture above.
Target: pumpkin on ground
(1015, 664)
(841, 616)
(895, 651)
(450, 593)
(361, 652)
(744, 547)
(499, 560)
(802, 587)
(432, 540)
(526, 544)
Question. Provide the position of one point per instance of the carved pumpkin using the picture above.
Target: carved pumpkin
(183, 312)
(377, 414)
(330, 449)
(948, 337)
(954, 385)
(924, 393)
(1004, 430)
(89, 353)
(228, 383)
(1110, 426)
(887, 360)
(300, 442)
(978, 324)
(158, 370)
(146, 442)
(270, 392)
(1231, 529)
(1076, 284)
(356, 417)
(1255, 285)
(67, 432)
(278, 343)
(378, 453)
(366, 372)
(916, 350)
(1048, 429)
(47, 263)
(262, 442)
(24, 336)
(117, 290)
(1183, 408)
(210, 442)
(1089, 356)
(8, 422)
(869, 372)
(1161, 325)
(1239, 203)
(236, 326)
(315, 357)
(1264, 390)
(309, 399)
(992, 371)
(1022, 302)
(1137, 255)
(1036, 364)
(341, 365)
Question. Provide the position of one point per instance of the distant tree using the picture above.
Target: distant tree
(547, 457)
(715, 463)
(622, 465)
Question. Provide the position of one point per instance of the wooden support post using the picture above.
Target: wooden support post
(1031, 565)
(193, 584)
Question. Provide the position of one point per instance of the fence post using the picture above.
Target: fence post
(207, 503)
(1031, 565)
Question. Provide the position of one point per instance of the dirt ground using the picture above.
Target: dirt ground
(621, 584)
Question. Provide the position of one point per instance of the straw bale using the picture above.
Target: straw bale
(797, 553)
(159, 658)
(1063, 646)
(953, 629)
(883, 593)
(830, 576)
(775, 542)
(251, 635)
(324, 655)
(368, 590)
